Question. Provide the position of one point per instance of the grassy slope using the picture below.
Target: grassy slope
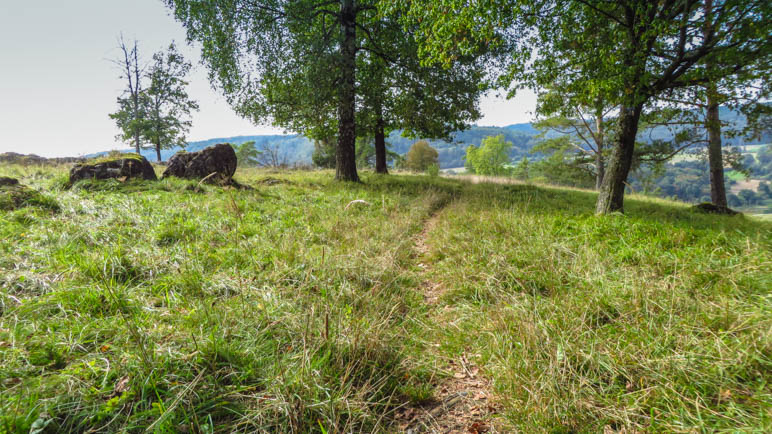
(149, 304)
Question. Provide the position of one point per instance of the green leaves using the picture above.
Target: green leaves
(421, 156)
(168, 105)
(490, 158)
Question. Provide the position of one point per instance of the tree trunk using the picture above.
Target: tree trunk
(380, 145)
(600, 165)
(713, 125)
(715, 158)
(346, 168)
(136, 143)
(612, 192)
(158, 151)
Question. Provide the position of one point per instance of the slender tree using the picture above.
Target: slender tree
(585, 127)
(168, 104)
(401, 93)
(131, 113)
(246, 154)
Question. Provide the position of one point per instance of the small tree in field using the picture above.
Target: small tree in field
(246, 154)
(168, 105)
(421, 156)
(521, 171)
(490, 158)
(131, 112)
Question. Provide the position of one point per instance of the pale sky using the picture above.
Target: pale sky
(57, 84)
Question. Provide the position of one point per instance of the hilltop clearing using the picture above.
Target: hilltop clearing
(430, 303)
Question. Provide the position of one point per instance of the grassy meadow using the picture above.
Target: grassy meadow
(175, 307)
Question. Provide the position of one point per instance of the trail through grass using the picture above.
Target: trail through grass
(174, 308)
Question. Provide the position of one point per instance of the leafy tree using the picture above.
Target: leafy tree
(401, 93)
(583, 135)
(324, 153)
(168, 105)
(557, 169)
(421, 156)
(490, 158)
(366, 154)
(330, 70)
(246, 154)
(131, 114)
(522, 170)
(698, 107)
(649, 49)
(251, 46)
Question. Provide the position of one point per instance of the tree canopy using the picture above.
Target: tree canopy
(421, 156)
(168, 106)
(331, 70)
(491, 158)
(636, 49)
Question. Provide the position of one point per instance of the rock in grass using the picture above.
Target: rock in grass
(715, 209)
(15, 196)
(127, 166)
(215, 164)
(7, 181)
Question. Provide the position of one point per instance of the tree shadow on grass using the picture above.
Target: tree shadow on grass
(575, 202)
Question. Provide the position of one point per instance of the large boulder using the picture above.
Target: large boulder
(216, 164)
(126, 166)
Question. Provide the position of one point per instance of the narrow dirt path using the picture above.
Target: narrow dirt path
(462, 402)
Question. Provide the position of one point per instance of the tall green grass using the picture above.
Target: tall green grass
(658, 320)
(172, 307)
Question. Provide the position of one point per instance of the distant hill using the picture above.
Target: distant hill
(297, 147)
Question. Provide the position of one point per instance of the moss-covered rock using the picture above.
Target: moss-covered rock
(214, 165)
(126, 166)
(17, 196)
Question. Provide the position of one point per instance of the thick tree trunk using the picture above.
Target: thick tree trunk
(380, 145)
(136, 143)
(600, 165)
(612, 192)
(158, 151)
(346, 168)
(715, 158)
